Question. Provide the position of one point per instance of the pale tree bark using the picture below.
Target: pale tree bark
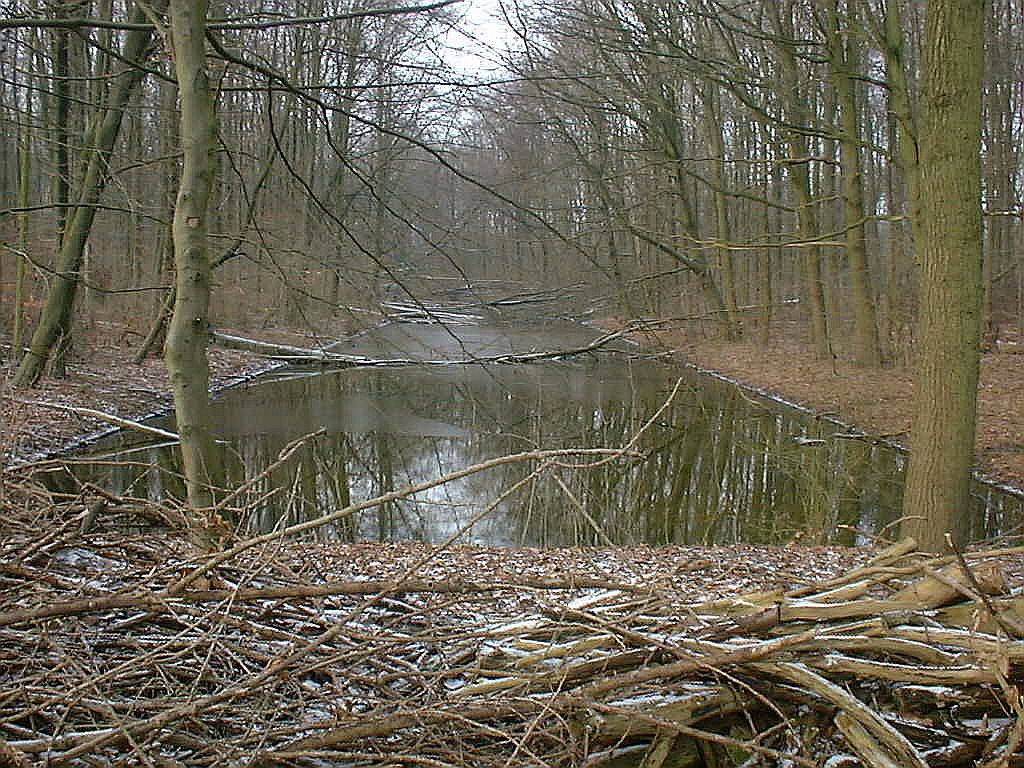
(56, 314)
(163, 249)
(937, 494)
(187, 335)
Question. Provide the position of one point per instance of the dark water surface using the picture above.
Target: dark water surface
(719, 465)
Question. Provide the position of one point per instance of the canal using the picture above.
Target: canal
(707, 461)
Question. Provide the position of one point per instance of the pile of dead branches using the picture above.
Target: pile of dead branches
(123, 647)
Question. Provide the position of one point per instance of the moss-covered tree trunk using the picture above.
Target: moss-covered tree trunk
(187, 335)
(949, 253)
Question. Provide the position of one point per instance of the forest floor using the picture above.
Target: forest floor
(122, 642)
(878, 401)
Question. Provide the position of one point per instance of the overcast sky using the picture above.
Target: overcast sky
(483, 35)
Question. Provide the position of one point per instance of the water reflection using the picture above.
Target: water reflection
(717, 466)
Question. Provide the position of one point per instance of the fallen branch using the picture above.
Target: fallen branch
(897, 745)
(324, 357)
(163, 601)
(117, 420)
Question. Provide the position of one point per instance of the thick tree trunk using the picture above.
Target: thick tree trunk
(185, 350)
(56, 313)
(942, 441)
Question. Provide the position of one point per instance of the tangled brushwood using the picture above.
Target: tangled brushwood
(121, 646)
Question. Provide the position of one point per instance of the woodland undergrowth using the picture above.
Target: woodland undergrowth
(120, 644)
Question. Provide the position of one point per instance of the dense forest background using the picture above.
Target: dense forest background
(721, 163)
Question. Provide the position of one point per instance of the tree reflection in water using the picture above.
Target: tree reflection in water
(717, 466)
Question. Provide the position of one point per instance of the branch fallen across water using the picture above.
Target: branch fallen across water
(326, 358)
(102, 415)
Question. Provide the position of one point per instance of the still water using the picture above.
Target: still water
(715, 465)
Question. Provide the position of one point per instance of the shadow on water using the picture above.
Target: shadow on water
(719, 466)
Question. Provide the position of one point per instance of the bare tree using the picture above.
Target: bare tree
(54, 321)
(187, 335)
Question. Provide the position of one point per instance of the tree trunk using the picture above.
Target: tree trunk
(799, 175)
(341, 130)
(843, 55)
(61, 182)
(24, 181)
(942, 441)
(61, 189)
(726, 267)
(807, 229)
(185, 351)
(902, 109)
(765, 294)
(56, 313)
